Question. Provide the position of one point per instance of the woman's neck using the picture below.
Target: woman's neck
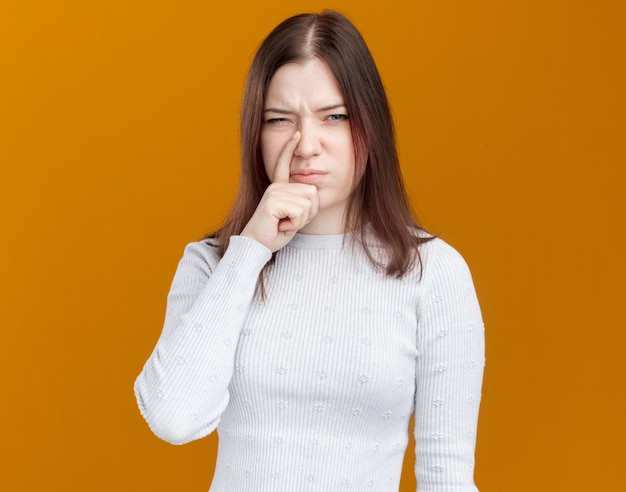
(326, 222)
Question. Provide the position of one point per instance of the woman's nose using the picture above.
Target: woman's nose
(309, 144)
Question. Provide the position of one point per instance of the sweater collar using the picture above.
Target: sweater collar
(319, 241)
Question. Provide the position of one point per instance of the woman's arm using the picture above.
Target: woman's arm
(448, 374)
(183, 387)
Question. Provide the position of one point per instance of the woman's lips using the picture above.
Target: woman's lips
(309, 176)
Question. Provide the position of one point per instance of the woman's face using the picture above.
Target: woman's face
(305, 97)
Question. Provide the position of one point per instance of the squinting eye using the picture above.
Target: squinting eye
(338, 117)
(276, 121)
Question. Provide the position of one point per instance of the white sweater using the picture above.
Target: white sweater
(314, 387)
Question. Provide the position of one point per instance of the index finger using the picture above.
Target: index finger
(283, 164)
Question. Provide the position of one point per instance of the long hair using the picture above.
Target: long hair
(379, 199)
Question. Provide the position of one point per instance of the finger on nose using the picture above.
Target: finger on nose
(281, 173)
(308, 144)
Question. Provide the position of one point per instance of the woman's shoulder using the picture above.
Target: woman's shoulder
(208, 251)
(440, 258)
(433, 245)
(208, 245)
(201, 253)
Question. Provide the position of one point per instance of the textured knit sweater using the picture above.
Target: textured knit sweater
(313, 387)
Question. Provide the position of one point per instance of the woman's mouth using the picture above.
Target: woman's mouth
(306, 176)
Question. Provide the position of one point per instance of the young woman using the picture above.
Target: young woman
(320, 318)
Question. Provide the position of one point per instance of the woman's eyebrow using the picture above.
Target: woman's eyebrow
(332, 106)
(277, 110)
(319, 110)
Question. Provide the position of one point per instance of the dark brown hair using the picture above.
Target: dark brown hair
(379, 198)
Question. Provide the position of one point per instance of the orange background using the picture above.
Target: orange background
(119, 144)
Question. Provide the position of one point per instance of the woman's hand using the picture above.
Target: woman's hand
(285, 207)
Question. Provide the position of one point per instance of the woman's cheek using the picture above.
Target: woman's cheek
(269, 159)
(268, 163)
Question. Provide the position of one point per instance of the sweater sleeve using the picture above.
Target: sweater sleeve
(183, 387)
(448, 374)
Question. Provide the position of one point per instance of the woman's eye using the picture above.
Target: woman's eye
(276, 121)
(338, 117)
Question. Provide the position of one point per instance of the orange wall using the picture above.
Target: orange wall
(118, 145)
